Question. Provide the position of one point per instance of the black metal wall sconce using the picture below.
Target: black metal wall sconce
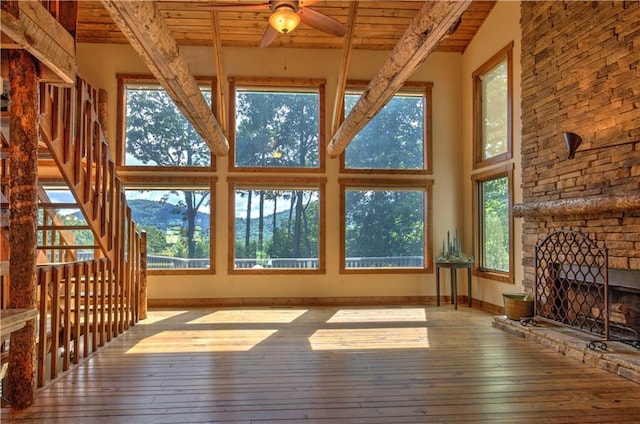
(573, 141)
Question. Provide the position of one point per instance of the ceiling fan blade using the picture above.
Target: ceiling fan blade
(236, 7)
(322, 22)
(269, 36)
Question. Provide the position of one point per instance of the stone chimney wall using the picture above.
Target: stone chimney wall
(581, 73)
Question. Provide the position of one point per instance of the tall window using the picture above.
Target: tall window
(493, 188)
(276, 225)
(494, 224)
(277, 126)
(398, 138)
(276, 220)
(386, 226)
(492, 86)
(155, 139)
(386, 222)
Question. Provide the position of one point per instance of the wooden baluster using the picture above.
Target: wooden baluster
(57, 276)
(86, 304)
(109, 278)
(103, 299)
(143, 276)
(44, 278)
(95, 274)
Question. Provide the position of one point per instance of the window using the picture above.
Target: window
(61, 224)
(493, 99)
(154, 133)
(493, 198)
(167, 170)
(398, 138)
(276, 225)
(277, 125)
(179, 225)
(386, 226)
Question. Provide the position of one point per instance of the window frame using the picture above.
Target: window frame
(389, 184)
(505, 171)
(275, 183)
(506, 53)
(278, 84)
(426, 88)
(140, 182)
(123, 80)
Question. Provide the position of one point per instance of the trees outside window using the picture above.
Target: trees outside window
(493, 99)
(386, 223)
(178, 226)
(157, 133)
(277, 127)
(276, 226)
(155, 139)
(493, 188)
(277, 219)
(386, 226)
(493, 224)
(397, 139)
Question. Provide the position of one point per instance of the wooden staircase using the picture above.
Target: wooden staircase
(83, 303)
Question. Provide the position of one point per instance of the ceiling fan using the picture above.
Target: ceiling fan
(285, 17)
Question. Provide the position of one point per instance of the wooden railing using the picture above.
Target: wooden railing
(71, 130)
(82, 305)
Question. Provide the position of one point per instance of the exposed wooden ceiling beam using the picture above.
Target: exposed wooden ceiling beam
(33, 28)
(432, 23)
(142, 24)
(338, 103)
(221, 77)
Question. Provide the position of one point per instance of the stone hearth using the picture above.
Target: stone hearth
(619, 358)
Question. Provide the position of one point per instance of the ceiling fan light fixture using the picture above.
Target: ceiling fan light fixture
(284, 19)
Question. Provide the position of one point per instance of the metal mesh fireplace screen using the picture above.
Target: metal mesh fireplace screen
(571, 286)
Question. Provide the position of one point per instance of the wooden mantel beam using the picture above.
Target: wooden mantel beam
(581, 206)
(432, 23)
(141, 22)
(34, 29)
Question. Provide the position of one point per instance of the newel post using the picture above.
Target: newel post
(142, 307)
(23, 214)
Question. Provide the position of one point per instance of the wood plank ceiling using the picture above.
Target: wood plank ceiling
(378, 25)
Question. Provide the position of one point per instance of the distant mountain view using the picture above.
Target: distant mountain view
(151, 213)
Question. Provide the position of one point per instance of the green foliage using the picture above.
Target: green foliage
(393, 139)
(495, 92)
(158, 134)
(384, 223)
(277, 129)
(287, 234)
(495, 198)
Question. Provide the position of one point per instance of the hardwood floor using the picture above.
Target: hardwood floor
(330, 365)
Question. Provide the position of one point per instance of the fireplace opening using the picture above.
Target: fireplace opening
(624, 303)
(575, 287)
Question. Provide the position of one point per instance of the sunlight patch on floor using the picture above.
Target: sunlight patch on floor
(369, 338)
(202, 341)
(157, 316)
(379, 315)
(239, 316)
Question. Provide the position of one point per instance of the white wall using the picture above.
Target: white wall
(449, 72)
(501, 28)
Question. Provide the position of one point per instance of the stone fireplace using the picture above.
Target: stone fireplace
(580, 69)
